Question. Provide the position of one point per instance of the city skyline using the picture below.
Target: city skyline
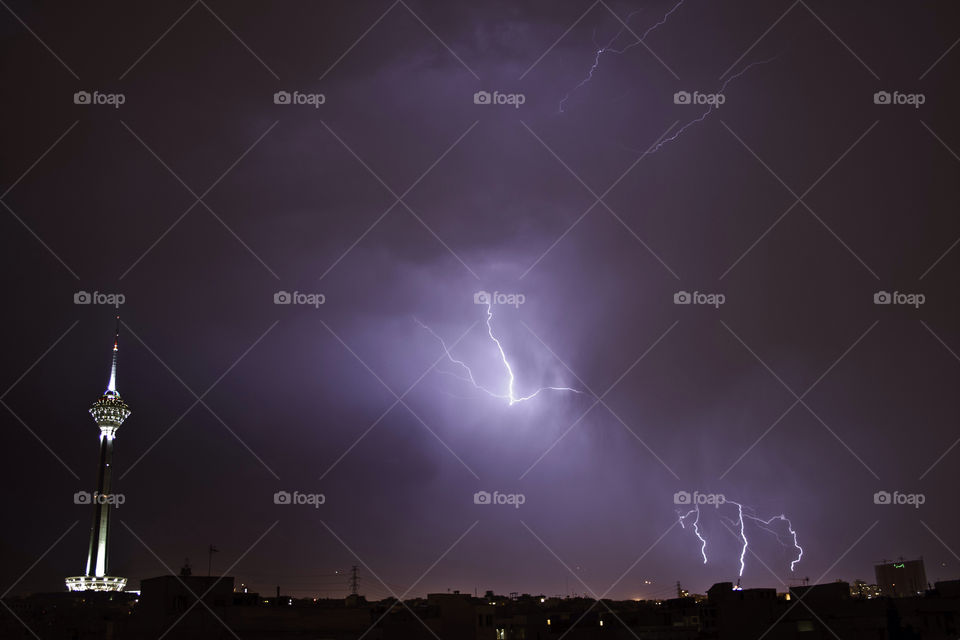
(485, 298)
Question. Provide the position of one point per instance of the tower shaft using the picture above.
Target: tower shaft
(97, 559)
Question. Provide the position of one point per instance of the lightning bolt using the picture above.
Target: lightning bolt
(610, 49)
(740, 523)
(511, 395)
(696, 530)
(710, 109)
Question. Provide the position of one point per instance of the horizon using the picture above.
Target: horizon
(538, 297)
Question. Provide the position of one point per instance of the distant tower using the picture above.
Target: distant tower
(354, 582)
(109, 411)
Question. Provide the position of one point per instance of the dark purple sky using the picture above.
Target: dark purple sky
(104, 199)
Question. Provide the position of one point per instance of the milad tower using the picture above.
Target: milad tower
(109, 411)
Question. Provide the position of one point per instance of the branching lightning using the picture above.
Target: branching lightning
(703, 116)
(740, 525)
(609, 48)
(510, 395)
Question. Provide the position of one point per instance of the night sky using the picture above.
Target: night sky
(199, 198)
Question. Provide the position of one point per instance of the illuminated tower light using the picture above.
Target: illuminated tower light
(109, 411)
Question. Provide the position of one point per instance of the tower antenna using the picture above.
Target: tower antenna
(354, 581)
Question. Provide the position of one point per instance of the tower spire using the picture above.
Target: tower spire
(112, 385)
